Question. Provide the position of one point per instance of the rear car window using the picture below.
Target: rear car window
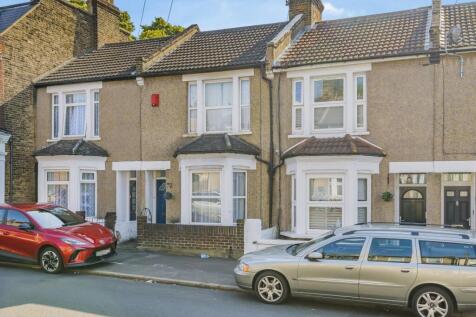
(390, 250)
(446, 253)
(16, 218)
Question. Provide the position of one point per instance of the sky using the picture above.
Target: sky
(218, 14)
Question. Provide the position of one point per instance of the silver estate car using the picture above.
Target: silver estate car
(430, 270)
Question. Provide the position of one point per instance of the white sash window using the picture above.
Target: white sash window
(88, 193)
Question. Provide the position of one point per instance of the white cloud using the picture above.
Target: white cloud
(333, 10)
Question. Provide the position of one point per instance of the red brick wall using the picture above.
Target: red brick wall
(217, 241)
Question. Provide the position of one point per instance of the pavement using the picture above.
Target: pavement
(160, 267)
(32, 293)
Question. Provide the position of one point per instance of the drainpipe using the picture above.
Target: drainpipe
(270, 163)
(10, 194)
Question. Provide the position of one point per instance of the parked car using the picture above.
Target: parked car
(430, 270)
(53, 237)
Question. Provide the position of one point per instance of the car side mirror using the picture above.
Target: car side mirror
(315, 256)
(25, 226)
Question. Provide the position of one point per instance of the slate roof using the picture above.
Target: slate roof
(112, 61)
(347, 145)
(218, 143)
(378, 36)
(10, 14)
(219, 50)
(72, 147)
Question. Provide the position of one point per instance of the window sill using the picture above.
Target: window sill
(194, 135)
(327, 135)
(72, 138)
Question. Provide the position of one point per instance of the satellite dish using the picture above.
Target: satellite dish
(455, 36)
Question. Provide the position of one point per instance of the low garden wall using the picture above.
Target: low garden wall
(215, 241)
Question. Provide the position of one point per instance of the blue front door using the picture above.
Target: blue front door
(161, 207)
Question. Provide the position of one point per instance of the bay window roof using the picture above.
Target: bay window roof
(72, 147)
(347, 145)
(218, 143)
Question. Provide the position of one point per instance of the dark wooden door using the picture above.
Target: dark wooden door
(458, 207)
(413, 205)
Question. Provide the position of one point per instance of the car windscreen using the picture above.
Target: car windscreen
(55, 218)
(295, 249)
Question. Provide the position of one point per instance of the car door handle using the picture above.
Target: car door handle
(350, 267)
(405, 270)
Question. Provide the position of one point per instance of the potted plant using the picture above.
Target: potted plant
(387, 196)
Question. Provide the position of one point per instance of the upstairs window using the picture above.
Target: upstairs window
(75, 114)
(360, 85)
(298, 106)
(328, 104)
(220, 105)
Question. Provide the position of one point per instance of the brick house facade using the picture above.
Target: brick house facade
(46, 34)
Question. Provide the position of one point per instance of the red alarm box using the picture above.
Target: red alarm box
(155, 100)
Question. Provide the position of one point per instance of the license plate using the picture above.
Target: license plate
(103, 252)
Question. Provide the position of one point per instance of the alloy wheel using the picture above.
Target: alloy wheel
(270, 289)
(50, 261)
(431, 304)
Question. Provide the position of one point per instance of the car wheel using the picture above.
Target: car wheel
(432, 302)
(51, 261)
(271, 288)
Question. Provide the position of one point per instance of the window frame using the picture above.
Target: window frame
(358, 102)
(55, 122)
(328, 104)
(191, 196)
(96, 116)
(94, 181)
(245, 197)
(323, 204)
(206, 109)
(72, 105)
(297, 105)
(67, 183)
(365, 203)
(243, 105)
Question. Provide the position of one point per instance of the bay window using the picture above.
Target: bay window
(328, 104)
(239, 195)
(219, 107)
(325, 202)
(88, 193)
(329, 101)
(206, 197)
(219, 102)
(75, 111)
(57, 183)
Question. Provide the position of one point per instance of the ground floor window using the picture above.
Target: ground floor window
(325, 202)
(88, 193)
(239, 195)
(57, 183)
(363, 199)
(206, 197)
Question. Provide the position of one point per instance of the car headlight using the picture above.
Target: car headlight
(73, 242)
(244, 267)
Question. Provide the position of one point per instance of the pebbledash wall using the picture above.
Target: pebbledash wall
(216, 241)
(51, 33)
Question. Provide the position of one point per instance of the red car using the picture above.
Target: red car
(53, 237)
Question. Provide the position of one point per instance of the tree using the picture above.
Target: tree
(82, 4)
(125, 22)
(159, 28)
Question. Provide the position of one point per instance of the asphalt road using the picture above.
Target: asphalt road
(22, 291)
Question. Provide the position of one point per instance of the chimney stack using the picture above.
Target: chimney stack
(435, 32)
(310, 9)
(106, 22)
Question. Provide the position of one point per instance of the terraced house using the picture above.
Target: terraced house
(306, 125)
(36, 37)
